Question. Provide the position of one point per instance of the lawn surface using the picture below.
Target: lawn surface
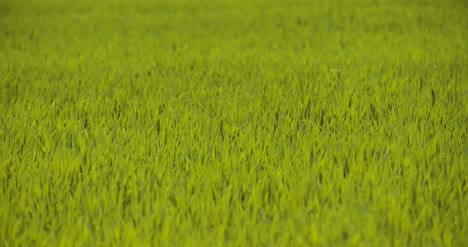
(237, 123)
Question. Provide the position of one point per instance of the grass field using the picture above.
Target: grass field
(237, 123)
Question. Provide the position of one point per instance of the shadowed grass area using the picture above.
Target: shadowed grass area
(244, 123)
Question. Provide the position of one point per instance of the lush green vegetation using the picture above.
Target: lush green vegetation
(243, 123)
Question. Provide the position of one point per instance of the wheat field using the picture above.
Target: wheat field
(233, 123)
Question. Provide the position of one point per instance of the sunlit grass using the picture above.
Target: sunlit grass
(251, 123)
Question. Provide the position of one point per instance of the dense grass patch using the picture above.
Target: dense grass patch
(243, 123)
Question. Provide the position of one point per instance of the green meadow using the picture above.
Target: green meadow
(233, 123)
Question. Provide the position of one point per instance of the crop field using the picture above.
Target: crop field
(233, 123)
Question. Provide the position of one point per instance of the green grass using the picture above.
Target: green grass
(237, 123)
